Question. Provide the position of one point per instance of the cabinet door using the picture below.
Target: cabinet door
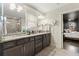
(46, 40)
(48, 37)
(26, 48)
(15, 51)
(38, 44)
(29, 48)
(38, 48)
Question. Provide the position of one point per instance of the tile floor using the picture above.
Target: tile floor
(49, 51)
(46, 51)
(72, 46)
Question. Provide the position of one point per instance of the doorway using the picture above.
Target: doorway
(71, 32)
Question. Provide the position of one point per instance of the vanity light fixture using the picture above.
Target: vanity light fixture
(12, 6)
(19, 8)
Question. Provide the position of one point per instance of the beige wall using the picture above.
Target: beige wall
(57, 15)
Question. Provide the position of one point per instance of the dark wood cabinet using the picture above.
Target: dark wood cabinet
(38, 48)
(31, 52)
(9, 44)
(26, 49)
(27, 46)
(48, 37)
(38, 43)
(46, 40)
(15, 51)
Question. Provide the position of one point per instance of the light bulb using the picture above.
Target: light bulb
(19, 8)
(12, 6)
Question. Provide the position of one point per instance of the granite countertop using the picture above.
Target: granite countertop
(15, 37)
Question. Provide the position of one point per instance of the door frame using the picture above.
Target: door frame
(62, 29)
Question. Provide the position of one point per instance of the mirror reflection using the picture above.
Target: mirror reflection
(13, 16)
(1, 21)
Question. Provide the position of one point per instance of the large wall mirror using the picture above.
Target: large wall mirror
(1, 22)
(13, 14)
(19, 18)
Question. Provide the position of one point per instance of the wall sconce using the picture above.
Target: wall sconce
(55, 22)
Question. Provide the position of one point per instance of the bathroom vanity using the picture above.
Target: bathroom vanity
(24, 45)
(21, 33)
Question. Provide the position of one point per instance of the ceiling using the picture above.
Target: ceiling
(42, 7)
(45, 7)
(13, 13)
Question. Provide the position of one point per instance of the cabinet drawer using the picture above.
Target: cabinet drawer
(44, 35)
(9, 44)
(31, 38)
(20, 41)
(38, 41)
(26, 40)
(38, 37)
(48, 36)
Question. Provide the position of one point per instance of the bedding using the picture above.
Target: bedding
(72, 35)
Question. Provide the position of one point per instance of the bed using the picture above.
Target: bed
(72, 35)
